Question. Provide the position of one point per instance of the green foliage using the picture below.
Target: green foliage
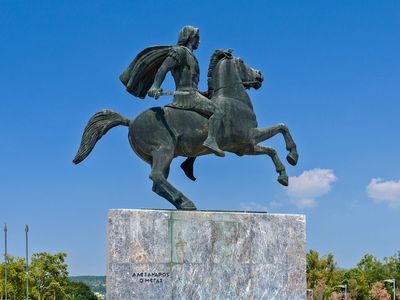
(96, 283)
(48, 279)
(322, 274)
(364, 282)
(372, 268)
(16, 277)
(358, 285)
(79, 291)
(49, 276)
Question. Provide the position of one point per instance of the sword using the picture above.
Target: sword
(176, 93)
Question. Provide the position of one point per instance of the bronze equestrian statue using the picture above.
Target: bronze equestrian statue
(195, 123)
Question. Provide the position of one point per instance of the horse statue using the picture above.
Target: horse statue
(160, 134)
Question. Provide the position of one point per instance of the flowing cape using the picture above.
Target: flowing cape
(139, 76)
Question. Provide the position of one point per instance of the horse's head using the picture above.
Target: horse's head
(226, 70)
(251, 78)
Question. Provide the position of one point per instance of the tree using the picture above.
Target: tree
(365, 282)
(357, 283)
(392, 270)
(15, 279)
(49, 276)
(48, 279)
(379, 292)
(322, 274)
(79, 291)
(372, 268)
(336, 296)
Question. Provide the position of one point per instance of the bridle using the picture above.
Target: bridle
(236, 83)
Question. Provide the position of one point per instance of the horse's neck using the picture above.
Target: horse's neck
(229, 85)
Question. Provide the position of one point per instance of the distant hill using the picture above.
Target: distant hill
(96, 283)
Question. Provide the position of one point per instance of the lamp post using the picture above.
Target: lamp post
(311, 291)
(343, 286)
(393, 281)
(27, 261)
(5, 261)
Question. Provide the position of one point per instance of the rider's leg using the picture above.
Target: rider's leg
(210, 108)
(214, 124)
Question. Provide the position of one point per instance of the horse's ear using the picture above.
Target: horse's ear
(228, 53)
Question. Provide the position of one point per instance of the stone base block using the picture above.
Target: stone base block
(169, 254)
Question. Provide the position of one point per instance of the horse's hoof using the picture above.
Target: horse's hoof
(292, 157)
(186, 204)
(283, 179)
(187, 207)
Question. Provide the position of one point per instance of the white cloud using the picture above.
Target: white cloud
(274, 204)
(253, 206)
(384, 191)
(304, 203)
(256, 206)
(305, 188)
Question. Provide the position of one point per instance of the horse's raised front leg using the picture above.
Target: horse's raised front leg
(159, 174)
(279, 167)
(262, 134)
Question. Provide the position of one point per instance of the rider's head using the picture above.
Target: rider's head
(189, 34)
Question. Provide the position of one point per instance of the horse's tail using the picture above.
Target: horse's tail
(98, 125)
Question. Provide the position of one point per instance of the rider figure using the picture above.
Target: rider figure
(185, 70)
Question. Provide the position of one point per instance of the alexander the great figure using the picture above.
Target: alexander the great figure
(147, 72)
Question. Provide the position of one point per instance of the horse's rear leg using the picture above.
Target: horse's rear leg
(262, 134)
(159, 174)
(187, 167)
(279, 167)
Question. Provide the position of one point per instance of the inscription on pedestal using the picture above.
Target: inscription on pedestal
(153, 277)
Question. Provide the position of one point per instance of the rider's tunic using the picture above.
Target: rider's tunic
(186, 76)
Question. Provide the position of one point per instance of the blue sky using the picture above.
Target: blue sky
(332, 73)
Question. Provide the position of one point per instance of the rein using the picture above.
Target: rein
(235, 83)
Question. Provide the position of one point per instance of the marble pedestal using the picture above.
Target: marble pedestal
(169, 254)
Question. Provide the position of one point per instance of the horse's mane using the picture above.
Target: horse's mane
(218, 55)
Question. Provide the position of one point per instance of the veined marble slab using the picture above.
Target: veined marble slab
(169, 254)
